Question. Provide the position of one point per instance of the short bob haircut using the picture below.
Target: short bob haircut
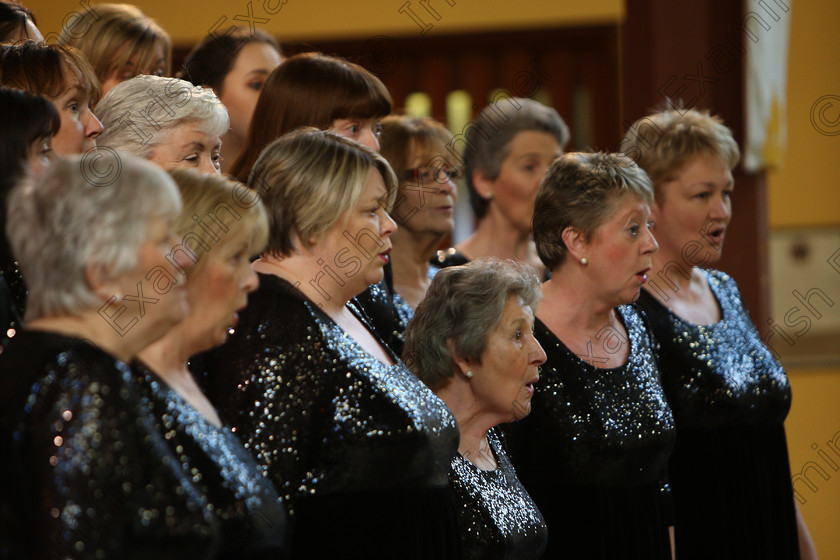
(13, 18)
(66, 222)
(139, 113)
(662, 143)
(47, 70)
(110, 34)
(26, 120)
(212, 59)
(464, 304)
(211, 199)
(310, 89)
(581, 190)
(488, 139)
(308, 179)
(402, 136)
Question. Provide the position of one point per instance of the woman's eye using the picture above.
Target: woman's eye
(256, 86)
(517, 334)
(651, 225)
(634, 230)
(73, 106)
(377, 130)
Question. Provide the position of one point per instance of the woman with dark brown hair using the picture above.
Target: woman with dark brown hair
(313, 89)
(236, 67)
(64, 76)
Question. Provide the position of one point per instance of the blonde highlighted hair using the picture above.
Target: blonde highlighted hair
(211, 200)
(110, 34)
(662, 143)
(308, 179)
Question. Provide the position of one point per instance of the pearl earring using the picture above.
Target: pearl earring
(584, 261)
(469, 374)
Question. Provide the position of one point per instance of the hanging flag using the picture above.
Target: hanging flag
(766, 37)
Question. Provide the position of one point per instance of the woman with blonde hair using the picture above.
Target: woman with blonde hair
(355, 443)
(730, 472)
(218, 235)
(120, 42)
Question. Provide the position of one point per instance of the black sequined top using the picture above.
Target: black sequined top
(356, 448)
(12, 301)
(387, 311)
(593, 452)
(85, 472)
(251, 517)
(498, 518)
(729, 472)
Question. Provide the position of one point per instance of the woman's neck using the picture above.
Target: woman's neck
(96, 329)
(568, 299)
(410, 264)
(496, 237)
(301, 272)
(168, 355)
(473, 421)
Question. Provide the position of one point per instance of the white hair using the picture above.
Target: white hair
(139, 113)
(90, 210)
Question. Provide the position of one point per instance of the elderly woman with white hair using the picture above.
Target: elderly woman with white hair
(86, 471)
(471, 341)
(167, 121)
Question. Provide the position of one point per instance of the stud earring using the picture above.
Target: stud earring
(468, 374)
(584, 261)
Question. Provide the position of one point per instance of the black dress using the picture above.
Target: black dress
(729, 471)
(499, 520)
(360, 451)
(593, 452)
(12, 300)
(85, 472)
(252, 520)
(387, 311)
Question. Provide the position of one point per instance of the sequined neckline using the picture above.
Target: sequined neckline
(141, 366)
(712, 282)
(286, 285)
(583, 363)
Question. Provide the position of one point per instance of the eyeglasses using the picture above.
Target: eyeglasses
(438, 174)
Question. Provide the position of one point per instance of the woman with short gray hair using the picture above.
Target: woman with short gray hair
(91, 469)
(594, 452)
(508, 149)
(168, 121)
(471, 341)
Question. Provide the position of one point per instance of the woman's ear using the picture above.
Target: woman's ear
(100, 281)
(483, 185)
(462, 364)
(575, 242)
